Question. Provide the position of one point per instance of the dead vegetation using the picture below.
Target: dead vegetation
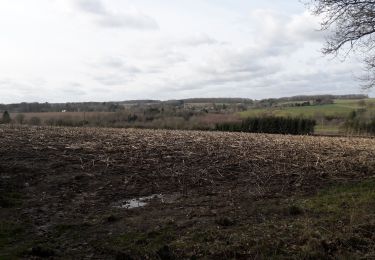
(59, 186)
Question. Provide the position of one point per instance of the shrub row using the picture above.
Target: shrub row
(271, 125)
(360, 127)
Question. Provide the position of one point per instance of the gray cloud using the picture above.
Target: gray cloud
(73, 91)
(114, 71)
(280, 34)
(268, 83)
(305, 27)
(73, 88)
(119, 64)
(113, 79)
(134, 21)
(91, 6)
(318, 82)
(269, 66)
(261, 65)
(112, 62)
(106, 18)
(14, 90)
(231, 71)
(202, 39)
(118, 71)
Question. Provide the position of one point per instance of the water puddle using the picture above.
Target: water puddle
(144, 201)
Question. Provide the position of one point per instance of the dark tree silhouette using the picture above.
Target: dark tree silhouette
(6, 118)
(352, 26)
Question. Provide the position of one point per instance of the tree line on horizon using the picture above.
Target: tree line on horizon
(36, 107)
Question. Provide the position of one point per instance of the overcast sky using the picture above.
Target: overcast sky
(102, 50)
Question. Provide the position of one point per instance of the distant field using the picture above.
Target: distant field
(354, 102)
(324, 114)
(341, 108)
(327, 129)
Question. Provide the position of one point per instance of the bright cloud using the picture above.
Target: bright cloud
(100, 50)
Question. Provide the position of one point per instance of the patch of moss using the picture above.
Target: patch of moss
(340, 213)
(334, 224)
(353, 201)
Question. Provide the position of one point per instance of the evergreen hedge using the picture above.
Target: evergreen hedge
(360, 127)
(271, 125)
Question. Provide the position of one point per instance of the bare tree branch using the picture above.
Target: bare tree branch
(353, 28)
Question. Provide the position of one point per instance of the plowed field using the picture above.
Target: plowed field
(78, 193)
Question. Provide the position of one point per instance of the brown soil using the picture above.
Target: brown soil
(60, 187)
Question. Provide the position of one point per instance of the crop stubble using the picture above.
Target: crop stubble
(71, 174)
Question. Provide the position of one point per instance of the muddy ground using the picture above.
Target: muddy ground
(64, 194)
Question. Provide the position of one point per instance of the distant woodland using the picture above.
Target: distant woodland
(322, 114)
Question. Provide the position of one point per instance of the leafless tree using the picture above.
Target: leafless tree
(352, 27)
